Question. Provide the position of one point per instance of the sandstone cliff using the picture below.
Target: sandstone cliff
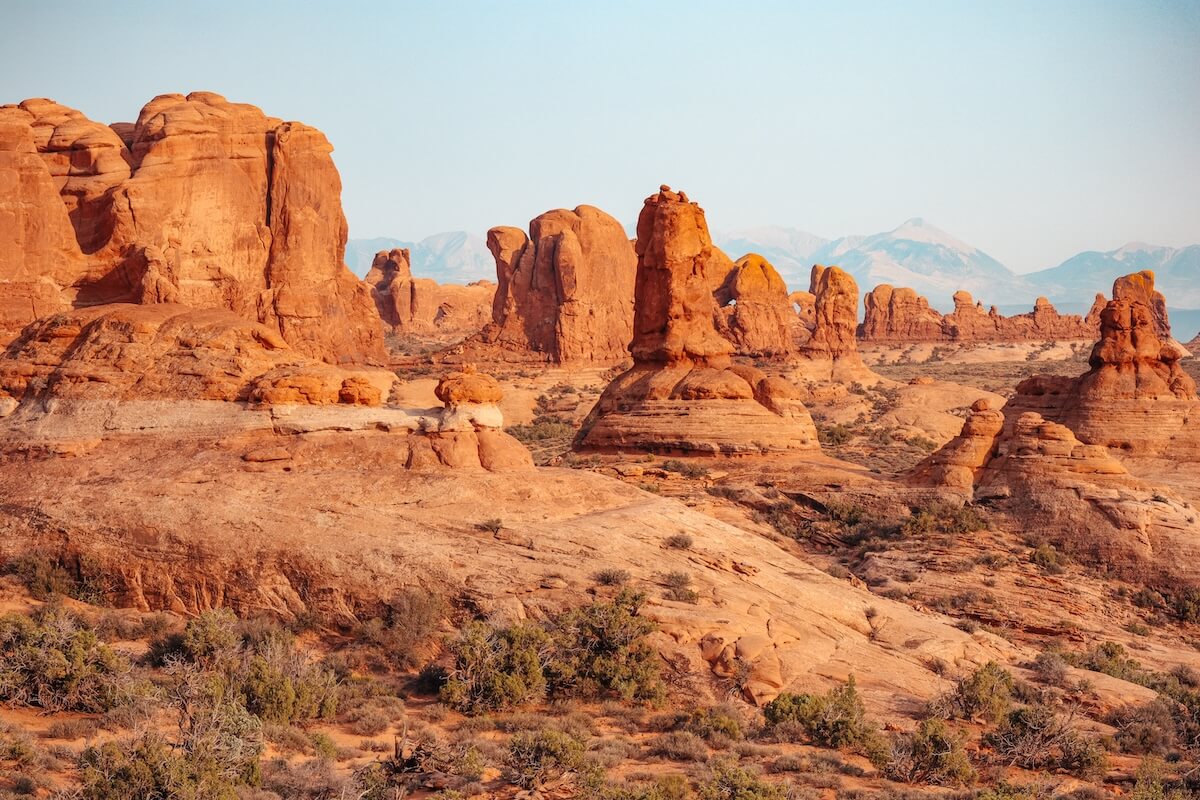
(564, 291)
(202, 202)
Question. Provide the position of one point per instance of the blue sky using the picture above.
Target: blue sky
(1033, 130)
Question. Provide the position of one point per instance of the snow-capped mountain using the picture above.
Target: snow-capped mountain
(452, 257)
(789, 250)
(1177, 273)
(916, 254)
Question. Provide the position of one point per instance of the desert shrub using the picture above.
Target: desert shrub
(731, 782)
(150, 767)
(493, 525)
(678, 746)
(680, 541)
(1147, 729)
(679, 587)
(670, 787)
(281, 686)
(592, 652)
(931, 754)
(497, 668)
(835, 719)
(71, 729)
(1051, 667)
(987, 693)
(535, 758)
(714, 721)
(834, 435)
(1109, 658)
(309, 780)
(411, 620)
(685, 468)
(1046, 557)
(612, 577)
(1035, 737)
(45, 575)
(602, 652)
(543, 427)
(53, 661)
(945, 518)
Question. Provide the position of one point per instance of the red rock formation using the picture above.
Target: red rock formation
(564, 293)
(957, 465)
(756, 312)
(899, 315)
(830, 354)
(167, 351)
(805, 306)
(903, 316)
(423, 306)
(202, 201)
(682, 393)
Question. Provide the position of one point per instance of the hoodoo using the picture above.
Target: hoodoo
(683, 392)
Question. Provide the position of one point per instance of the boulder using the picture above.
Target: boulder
(683, 393)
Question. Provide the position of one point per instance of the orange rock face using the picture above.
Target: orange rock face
(683, 394)
(201, 201)
(903, 316)
(564, 292)
(958, 464)
(423, 306)
(172, 352)
(756, 312)
(1136, 396)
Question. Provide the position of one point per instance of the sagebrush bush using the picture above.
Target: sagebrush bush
(987, 693)
(534, 758)
(732, 782)
(53, 661)
(678, 746)
(1036, 737)
(497, 668)
(932, 754)
(597, 651)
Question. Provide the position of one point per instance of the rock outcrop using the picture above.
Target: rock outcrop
(958, 464)
(683, 393)
(564, 292)
(756, 312)
(203, 202)
(830, 353)
(1136, 397)
(901, 316)
(422, 306)
(167, 351)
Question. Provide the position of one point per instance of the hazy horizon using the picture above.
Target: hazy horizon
(1032, 131)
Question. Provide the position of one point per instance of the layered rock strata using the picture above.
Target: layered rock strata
(422, 306)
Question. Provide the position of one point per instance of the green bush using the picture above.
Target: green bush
(1146, 729)
(535, 758)
(731, 782)
(987, 693)
(53, 661)
(1046, 557)
(835, 719)
(497, 668)
(601, 652)
(281, 686)
(412, 619)
(932, 754)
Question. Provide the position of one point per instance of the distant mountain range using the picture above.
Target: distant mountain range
(915, 254)
(454, 257)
